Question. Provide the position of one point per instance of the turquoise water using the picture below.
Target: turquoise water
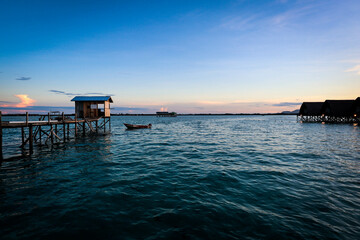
(190, 177)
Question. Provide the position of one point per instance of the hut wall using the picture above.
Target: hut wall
(91, 109)
(79, 109)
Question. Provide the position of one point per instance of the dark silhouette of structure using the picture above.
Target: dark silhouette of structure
(331, 111)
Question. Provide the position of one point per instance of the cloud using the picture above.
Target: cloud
(354, 69)
(23, 78)
(79, 94)
(286, 104)
(25, 101)
(6, 102)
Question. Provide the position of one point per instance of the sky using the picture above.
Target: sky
(213, 56)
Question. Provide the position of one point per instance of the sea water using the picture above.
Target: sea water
(189, 177)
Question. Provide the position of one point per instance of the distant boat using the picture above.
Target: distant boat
(166, 114)
(133, 126)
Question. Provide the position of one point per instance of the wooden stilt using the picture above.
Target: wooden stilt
(68, 130)
(64, 129)
(22, 136)
(40, 134)
(1, 139)
(75, 125)
(52, 134)
(104, 125)
(31, 139)
(27, 118)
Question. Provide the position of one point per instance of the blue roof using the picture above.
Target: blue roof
(92, 99)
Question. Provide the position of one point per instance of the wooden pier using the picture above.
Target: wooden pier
(50, 129)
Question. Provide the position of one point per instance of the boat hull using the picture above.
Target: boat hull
(134, 126)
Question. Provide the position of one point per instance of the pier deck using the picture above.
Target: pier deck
(48, 131)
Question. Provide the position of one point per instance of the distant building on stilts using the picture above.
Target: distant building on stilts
(331, 111)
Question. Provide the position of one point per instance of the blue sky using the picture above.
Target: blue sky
(183, 56)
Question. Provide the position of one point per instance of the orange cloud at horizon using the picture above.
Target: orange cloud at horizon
(25, 101)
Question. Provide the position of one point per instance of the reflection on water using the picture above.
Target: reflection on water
(190, 177)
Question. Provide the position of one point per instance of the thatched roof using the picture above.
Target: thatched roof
(339, 108)
(311, 108)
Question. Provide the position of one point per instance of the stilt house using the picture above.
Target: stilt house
(311, 109)
(338, 108)
(92, 106)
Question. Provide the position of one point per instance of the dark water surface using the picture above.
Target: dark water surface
(211, 177)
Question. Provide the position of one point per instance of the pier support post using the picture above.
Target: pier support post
(104, 125)
(52, 134)
(75, 125)
(1, 139)
(27, 118)
(83, 128)
(48, 118)
(56, 131)
(109, 124)
(68, 130)
(22, 136)
(31, 139)
(40, 134)
(64, 127)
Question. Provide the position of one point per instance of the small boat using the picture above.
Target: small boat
(133, 126)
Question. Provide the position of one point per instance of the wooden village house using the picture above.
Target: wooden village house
(92, 106)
